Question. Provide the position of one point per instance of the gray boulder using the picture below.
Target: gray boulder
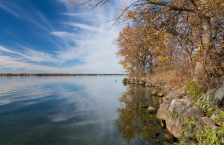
(181, 110)
(166, 102)
(136, 81)
(217, 93)
(131, 81)
(147, 83)
(206, 121)
(125, 80)
(141, 82)
(161, 112)
(217, 117)
(160, 94)
(151, 109)
(175, 94)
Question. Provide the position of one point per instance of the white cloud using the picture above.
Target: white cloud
(85, 27)
(10, 8)
(29, 55)
(5, 49)
(90, 42)
(63, 35)
(37, 56)
(19, 63)
(20, 13)
(75, 14)
(95, 46)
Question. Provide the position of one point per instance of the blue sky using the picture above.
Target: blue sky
(52, 36)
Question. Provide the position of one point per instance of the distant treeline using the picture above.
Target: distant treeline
(53, 74)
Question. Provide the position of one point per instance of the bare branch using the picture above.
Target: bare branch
(171, 6)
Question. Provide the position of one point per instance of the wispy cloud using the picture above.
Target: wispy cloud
(19, 63)
(5, 50)
(73, 14)
(83, 39)
(30, 55)
(12, 9)
(28, 16)
(37, 56)
(64, 35)
(45, 20)
(85, 27)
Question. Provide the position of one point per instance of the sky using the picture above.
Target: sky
(51, 36)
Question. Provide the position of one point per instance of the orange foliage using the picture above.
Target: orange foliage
(139, 47)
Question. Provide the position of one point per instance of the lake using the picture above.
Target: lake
(76, 110)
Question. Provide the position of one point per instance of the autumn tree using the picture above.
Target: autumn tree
(196, 24)
(139, 47)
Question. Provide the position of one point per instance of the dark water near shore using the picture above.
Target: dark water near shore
(86, 110)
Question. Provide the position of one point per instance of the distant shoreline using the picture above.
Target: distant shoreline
(54, 74)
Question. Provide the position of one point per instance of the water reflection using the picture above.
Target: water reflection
(135, 124)
(59, 110)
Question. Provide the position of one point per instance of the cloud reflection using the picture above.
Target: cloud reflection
(75, 109)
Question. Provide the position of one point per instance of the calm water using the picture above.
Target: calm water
(85, 110)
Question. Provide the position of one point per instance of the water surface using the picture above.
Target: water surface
(85, 110)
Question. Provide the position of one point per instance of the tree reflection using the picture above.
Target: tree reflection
(135, 124)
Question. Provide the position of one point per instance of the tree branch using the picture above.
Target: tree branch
(171, 6)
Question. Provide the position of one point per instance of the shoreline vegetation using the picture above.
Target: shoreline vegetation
(55, 74)
(191, 116)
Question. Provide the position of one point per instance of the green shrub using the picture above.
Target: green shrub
(194, 89)
(203, 135)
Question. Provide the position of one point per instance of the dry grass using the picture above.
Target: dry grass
(166, 75)
(173, 78)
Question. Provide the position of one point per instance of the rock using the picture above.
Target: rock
(147, 83)
(161, 112)
(131, 81)
(160, 100)
(205, 121)
(144, 79)
(163, 123)
(167, 90)
(124, 80)
(135, 80)
(183, 109)
(151, 109)
(160, 94)
(169, 136)
(154, 92)
(173, 95)
(218, 93)
(166, 102)
(174, 111)
(141, 82)
(217, 117)
(124, 83)
(153, 82)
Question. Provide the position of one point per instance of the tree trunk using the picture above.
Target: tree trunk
(205, 40)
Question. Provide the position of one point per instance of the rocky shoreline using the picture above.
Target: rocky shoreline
(145, 82)
(181, 115)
